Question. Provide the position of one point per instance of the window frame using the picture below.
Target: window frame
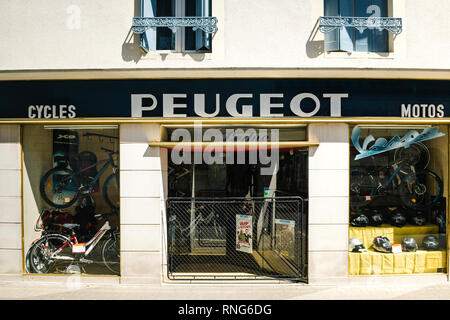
(351, 33)
(149, 39)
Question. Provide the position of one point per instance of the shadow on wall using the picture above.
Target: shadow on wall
(314, 48)
(131, 50)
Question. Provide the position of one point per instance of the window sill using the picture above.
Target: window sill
(168, 55)
(359, 55)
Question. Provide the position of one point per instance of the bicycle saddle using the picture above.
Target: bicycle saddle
(69, 225)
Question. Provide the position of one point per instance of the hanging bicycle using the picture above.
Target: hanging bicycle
(61, 187)
(417, 189)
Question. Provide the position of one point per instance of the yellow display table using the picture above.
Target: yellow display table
(372, 262)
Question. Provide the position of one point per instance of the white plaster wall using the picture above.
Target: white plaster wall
(10, 201)
(328, 203)
(141, 222)
(252, 34)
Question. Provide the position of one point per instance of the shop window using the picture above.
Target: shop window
(398, 200)
(362, 37)
(168, 34)
(227, 216)
(71, 200)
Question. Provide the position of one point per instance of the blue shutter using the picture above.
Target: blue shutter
(148, 38)
(331, 8)
(346, 34)
(362, 38)
(202, 39)
(379, 39)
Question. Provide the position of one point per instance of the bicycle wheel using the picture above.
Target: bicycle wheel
(362, 188)
(416, 154)
(111, 254)
(58, 188)
(111, 191)
(40, 260)
(421, 190)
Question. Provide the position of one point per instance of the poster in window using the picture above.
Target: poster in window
(285, 237)
(244, 231)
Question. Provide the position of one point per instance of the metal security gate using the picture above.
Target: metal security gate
(237, 238)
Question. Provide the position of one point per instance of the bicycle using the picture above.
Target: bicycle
(205, 230)
(52, 248)
(60, 187)
(419, 189)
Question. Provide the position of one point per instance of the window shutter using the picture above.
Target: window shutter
(331, 8)
(202, 39)
(379, 39)
(346, 34)
(148, 38)
(362, 38)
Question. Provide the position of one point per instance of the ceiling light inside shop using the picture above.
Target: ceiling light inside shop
(169, 126)
(390, 126)
(80, 127)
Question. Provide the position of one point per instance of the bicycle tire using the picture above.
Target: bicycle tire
(415, 194)
(416, 154)
(39, 256)
(111, 254)
(65, 197)
(362, 188)
(108, 186)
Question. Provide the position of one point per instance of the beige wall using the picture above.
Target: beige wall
(142, 172)
(10, 201)
(251, 34)
(328, 199)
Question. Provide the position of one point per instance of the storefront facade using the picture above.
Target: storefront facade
(226, 179)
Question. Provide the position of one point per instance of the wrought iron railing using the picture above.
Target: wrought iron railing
(142, 24)
(237, 238)
(330, 23)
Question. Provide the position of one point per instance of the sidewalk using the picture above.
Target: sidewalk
(70, 288)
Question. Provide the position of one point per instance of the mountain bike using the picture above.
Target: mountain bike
(61, 187)
(417, 189)
(54, 251)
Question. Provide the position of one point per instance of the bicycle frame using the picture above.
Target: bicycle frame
(90, 245)
(107, 163)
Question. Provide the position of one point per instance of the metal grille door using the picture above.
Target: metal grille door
(237, 238)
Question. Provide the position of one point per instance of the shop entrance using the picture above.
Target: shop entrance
(227, 221)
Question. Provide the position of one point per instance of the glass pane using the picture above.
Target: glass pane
(71, 196)
(165, 39)
(398, 195)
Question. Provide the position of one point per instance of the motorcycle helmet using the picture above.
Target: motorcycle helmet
(398, 219)
(382, 244)
(355, 245)
(430, 243)
(440, 221)
(376, 218)
(359, 220)
(409, 244)
(418, 218)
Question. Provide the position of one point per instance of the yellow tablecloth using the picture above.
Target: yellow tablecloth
(372, 262)
(394, 234)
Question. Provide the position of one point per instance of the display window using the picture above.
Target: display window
(71, 199)
(230, 216)
(398, 199)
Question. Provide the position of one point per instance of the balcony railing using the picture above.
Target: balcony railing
(207, 24)
(330, 23)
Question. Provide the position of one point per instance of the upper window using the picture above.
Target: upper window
(357, 25)
(175, 25)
